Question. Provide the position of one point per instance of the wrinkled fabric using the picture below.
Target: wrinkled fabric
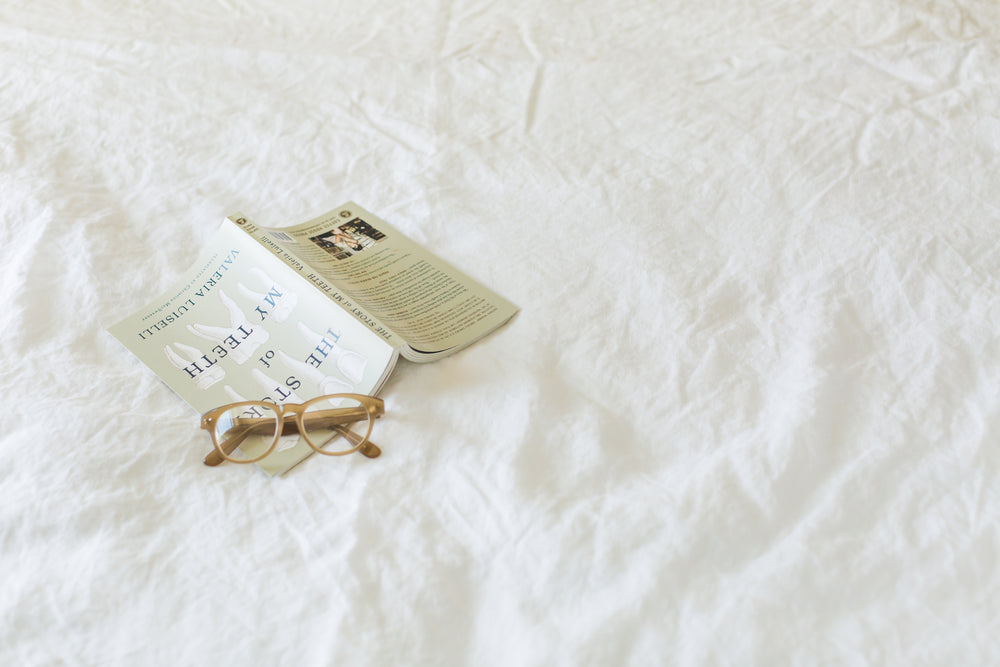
(748, 413)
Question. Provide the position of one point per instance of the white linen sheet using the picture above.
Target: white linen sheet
(750, 410)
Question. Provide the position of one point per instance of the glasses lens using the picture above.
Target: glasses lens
(336, 424)
(245, 432)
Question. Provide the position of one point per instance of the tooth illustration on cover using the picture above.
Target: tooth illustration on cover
(283, 393)
(275, 296)
(239, 340)
(237, 398)
(351, 364)
(327, 384)
(198, 366)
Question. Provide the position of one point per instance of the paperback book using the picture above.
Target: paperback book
(287, 314)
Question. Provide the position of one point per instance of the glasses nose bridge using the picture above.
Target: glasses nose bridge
(290, 409)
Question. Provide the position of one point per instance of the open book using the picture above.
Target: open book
(324, 307)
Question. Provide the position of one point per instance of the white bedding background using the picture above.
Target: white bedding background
(749, 413)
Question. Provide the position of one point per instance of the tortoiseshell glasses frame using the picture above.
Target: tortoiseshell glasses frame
(319, 421)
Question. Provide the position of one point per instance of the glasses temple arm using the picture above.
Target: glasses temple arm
(369, 448)
(335, 417)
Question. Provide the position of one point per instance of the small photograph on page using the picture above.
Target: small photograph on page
(348, 239)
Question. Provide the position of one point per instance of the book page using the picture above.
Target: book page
(241, 325)
(417, 295)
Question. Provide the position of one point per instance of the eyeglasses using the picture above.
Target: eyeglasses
(248, 431)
